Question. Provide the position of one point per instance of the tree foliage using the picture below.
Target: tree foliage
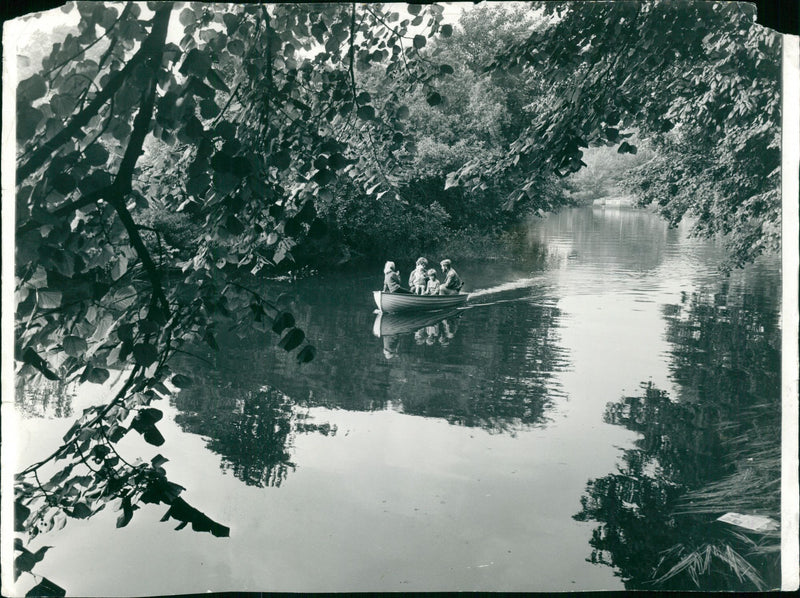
(698, 79)
(167, 151)
(462, 114)
(234, 129)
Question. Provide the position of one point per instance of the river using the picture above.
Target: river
(536, 440)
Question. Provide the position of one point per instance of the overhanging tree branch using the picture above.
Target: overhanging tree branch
(123, 181)
(270, 81)
(74, 129)
(352, 48)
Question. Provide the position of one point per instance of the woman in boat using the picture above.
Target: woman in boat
(452, 282)
(391, 279)
(419, 277)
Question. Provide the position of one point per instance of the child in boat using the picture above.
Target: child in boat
(433, 283)
(418, 277)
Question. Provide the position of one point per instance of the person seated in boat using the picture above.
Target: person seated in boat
(419, 277)
(391, 279)
(433, 283)
(452, 282)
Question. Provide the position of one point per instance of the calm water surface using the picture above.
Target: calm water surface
(494, 450)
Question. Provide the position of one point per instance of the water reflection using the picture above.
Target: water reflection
(252, 429)
(618, 237)
(712, 449)
(492, 367)
(560, 315)
(429, 328)
(47, 399)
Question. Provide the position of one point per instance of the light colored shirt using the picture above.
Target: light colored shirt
(418, 277)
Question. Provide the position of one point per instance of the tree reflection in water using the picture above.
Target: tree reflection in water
(253, 430)
(46, 399)
(503, 383)
(253, 426)
(713, 449)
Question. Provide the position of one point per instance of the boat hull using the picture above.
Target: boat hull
(407, 302)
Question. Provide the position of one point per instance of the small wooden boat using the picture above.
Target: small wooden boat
(407, 302)
(403, 323)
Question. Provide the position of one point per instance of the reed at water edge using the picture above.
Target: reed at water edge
(753, 488)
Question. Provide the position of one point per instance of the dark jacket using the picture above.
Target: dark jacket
(452, 281)
(391, 282)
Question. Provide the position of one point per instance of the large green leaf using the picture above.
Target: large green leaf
(216, 80)
(181, 381)
(48, 299)
(291, 339)
(196, 63)
(31, 89)
(97, 375)
(28, 119)
(366, 112)
(236, 47)
(306, 354)
(74, 345)
(145, 354)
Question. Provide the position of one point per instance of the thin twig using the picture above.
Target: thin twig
(125, 387)
(400, 38)
(113, 448)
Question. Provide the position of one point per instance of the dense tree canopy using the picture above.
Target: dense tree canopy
(699, 79)
(233, 132)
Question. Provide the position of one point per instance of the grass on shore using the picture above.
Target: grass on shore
(754, 488)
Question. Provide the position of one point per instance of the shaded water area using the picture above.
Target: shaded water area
(546, 437)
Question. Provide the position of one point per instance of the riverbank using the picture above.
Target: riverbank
(616, 201)
(464, 244)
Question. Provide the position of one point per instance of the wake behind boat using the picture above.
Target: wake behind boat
(407, 302)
